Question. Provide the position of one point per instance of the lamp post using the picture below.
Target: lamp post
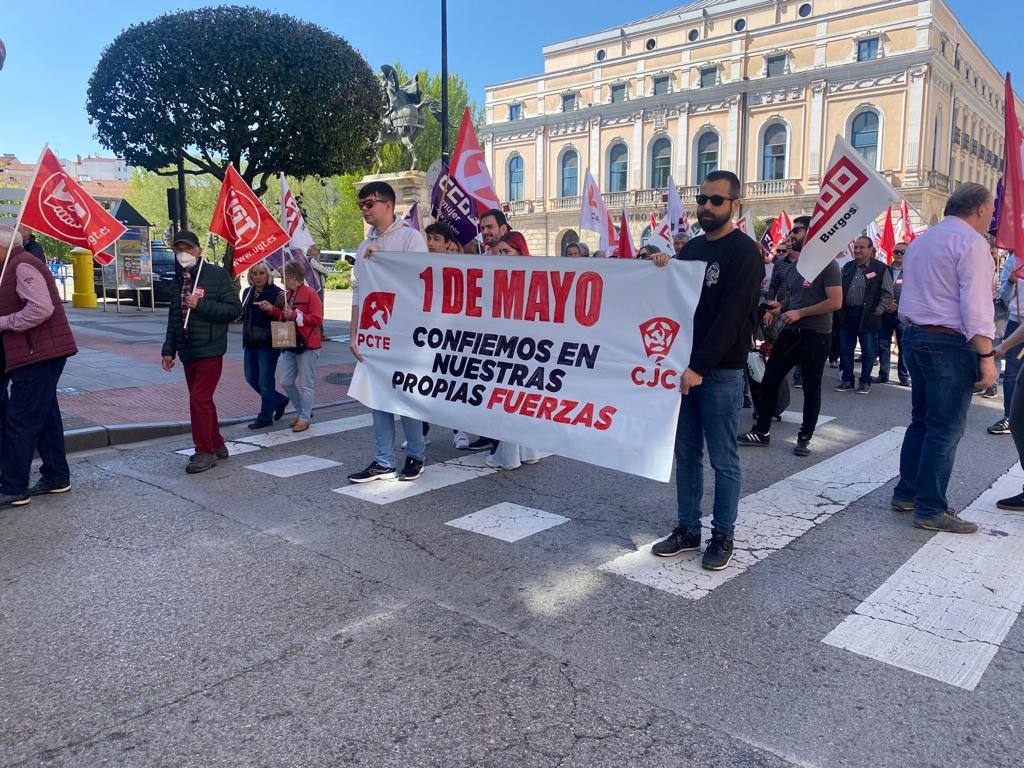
(444, 82)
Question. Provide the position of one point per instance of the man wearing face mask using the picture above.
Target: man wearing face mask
(208, 301)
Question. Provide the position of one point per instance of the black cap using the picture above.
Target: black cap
(184, 236)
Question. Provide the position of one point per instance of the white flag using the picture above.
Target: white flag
(661, 235)
(675, 211)
(745, 224)
(594, 216)
(852, 195)
(292, 221)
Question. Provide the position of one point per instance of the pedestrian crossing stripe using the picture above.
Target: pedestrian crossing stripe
(435, 477)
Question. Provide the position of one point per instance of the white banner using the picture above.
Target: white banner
(580, 359)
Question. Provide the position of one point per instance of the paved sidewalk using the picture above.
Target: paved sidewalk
(116, 381)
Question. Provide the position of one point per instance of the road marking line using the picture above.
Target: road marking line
(293, 465)
(507, 521)
(773, 517)
(796, 417)
(234, 448)
(316, 429)
(944, 613)
(434, 476)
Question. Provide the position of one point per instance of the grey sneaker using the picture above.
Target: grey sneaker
(948, 522)
(201, 462)
(803, 445)
(864, 389)
(846, 386)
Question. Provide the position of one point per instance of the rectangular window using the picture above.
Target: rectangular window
(708, 77)
(661, 85)
(618, 93)
(867, 49)
(777, 65)
(515, 112)
(568, 102)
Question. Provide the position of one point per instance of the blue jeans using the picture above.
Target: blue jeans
(710, 412)
(298, 377)
(260, 364)
(384, 438)
(891, 326)
(849, 335)
(1011, 366)
(943, 370)
(32, 423)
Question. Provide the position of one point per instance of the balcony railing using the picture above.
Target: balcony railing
(940, 181)
(777, 188)
(565, 203)
(522, 206)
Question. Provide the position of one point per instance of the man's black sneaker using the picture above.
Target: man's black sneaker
(846, 386)
(747, 402)
(413, 468)
(864, 389)
(1012, 504)
(259, 424)
(482, 442)
(798, 384)
(680, 540)
(904, 382)
(14, 500)
(1001, 427)
(991, 392)
(754, 438)
(948, 522)
(279, 411)
(45, 486)
(803, 446)
(373, 472)
(718, 555)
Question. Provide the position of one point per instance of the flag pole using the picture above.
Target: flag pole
(202, 260)
(21, 213)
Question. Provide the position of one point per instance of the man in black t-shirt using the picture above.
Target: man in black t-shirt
(712, 385)
(804, 340)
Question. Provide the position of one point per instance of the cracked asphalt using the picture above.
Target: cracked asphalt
(150, 618)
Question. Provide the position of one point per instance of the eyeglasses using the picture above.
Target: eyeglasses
(898, 253)
(715, 200)
(368, 203)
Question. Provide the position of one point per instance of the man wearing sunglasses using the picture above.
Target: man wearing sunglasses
(712, 385)
(891, 324)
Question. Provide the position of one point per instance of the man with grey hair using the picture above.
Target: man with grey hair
(946, 308)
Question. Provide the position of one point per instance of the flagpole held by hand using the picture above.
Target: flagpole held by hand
(195, 285)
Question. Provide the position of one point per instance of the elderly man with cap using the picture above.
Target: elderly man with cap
(197, 333)
(37, 341)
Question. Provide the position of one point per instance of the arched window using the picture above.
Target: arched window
(864, 136)
(661, 162)
(707, 155)
(569, 173)
(773, 156)
(516, 180)
(618, 168)
(645, 236)
(570, 236)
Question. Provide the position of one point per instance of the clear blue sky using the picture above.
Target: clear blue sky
(53, 46)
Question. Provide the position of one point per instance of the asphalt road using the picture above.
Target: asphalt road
(239, 618)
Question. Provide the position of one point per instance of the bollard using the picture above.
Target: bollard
(85, 289)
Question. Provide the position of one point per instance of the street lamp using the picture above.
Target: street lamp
(444, 83)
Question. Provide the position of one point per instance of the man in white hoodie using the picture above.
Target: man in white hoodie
(387, 233)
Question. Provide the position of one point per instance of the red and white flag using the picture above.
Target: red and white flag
(852, 195)
(469, 169)
(57, 206)
(888, 241)
(625, 249)
(594, 215)
(781, 228)
(746, 225)
(1010, 235)
(242, 219)
(674, 211)
(661, 235)
(292, 221)
(905, 232)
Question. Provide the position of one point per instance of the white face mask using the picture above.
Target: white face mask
(185, 259)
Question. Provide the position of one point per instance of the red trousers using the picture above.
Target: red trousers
(202, 377)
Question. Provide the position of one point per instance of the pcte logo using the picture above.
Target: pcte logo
(376, 312)
(658, 335)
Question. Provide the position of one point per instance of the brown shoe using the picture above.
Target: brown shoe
(222, 452)
(294, 421)
(948, 522)
(300, 426)
(201, 462)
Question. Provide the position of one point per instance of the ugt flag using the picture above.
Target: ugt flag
(469, 169)
(852, 195)
(292, 221)
(57, 206)
(241, 219)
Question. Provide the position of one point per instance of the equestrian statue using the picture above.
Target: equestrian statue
(403, 118)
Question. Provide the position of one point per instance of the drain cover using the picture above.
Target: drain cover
(343, 379)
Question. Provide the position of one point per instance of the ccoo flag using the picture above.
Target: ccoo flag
(852, 195)
(57, 206)
(292, 221)
(241, 219)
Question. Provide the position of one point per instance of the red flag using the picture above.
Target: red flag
(57, 206)
(469, 168)
(1010, 235)
(907, 231)
(241, 219)
(888, 237)
(626, 249)
(781, 228)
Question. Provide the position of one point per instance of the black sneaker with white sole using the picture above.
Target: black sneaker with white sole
(413, 468)
(846, 386)
(14, 500)
(680, 540)
(373, 472)
(803, 445)
(753, 437)
(45, 486)
(1001, 427)
(1012, 504)
(718, 555)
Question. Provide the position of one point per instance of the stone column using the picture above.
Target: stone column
(915, 111)
(540, 149)
(595, 161)
(814, 139)
(733, 152)
(636, 153)
(683, 144)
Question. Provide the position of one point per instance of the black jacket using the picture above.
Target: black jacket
(870, 319)
(207, 334)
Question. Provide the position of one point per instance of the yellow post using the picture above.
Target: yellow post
(85, 288)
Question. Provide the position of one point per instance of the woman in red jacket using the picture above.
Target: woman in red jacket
(298, 366)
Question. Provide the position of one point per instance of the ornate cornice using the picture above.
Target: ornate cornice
(842, 86)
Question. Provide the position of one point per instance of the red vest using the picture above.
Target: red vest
(50, 339)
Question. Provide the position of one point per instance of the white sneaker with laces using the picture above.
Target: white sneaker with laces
(461, 440)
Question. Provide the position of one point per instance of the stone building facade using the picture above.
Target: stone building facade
(758, 87)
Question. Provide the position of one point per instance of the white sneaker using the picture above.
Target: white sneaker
(461, 441)
(405, 443)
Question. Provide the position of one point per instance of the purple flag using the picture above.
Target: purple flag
(451, 204)
(413, 216)
(997, 214)
(766, 239)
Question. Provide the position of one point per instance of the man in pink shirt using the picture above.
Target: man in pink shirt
(946, 308)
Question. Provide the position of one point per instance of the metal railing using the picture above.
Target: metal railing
(775, 188)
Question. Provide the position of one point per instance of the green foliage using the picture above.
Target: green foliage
(148, 195)
(55, 249)
(264, 91)
(331, 211)
(760, 225)
(396, 158)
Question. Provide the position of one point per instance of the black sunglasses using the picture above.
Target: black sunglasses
(898, 253)
(715, 200)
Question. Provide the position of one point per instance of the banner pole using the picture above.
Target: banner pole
(21, 213)
(202, 260)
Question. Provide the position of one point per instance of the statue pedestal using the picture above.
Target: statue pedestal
(410, 187)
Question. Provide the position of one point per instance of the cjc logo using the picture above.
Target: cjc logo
(843, 181)
(61, 209)
(376, 312)
(658, 334)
